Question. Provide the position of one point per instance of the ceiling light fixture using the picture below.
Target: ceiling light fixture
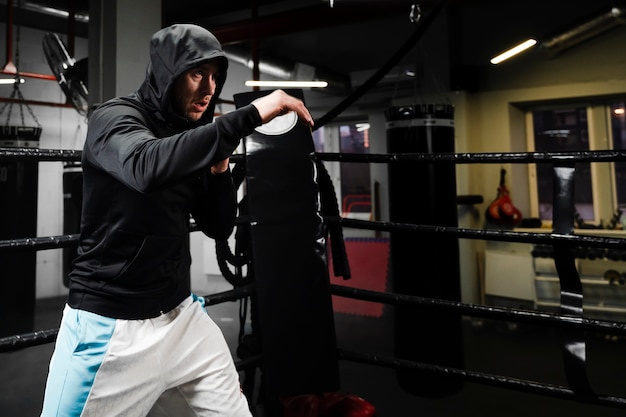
(362, 127)
(287, 84)
(287, 72)
(513, 51)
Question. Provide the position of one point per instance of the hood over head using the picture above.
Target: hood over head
(174, 50)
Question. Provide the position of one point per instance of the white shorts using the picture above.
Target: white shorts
(177, 364)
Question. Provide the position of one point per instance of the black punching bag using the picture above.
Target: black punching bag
(294, 304)
(425, 265)
(19, 185)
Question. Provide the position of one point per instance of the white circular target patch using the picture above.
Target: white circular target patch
(279, 125)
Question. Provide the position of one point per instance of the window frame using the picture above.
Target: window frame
(330, 136)
(603, 183)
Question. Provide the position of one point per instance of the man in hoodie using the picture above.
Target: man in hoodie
(134, 340)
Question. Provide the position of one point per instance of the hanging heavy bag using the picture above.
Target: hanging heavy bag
(294, 318)
(501, 211)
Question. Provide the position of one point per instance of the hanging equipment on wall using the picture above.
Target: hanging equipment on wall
(72, 77)
(501, 210)
(17, 135)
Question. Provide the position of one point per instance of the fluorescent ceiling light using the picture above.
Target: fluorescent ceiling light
(10, 81)
(287, 84)
(513, 51)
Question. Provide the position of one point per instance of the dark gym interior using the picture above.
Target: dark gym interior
(346, 47)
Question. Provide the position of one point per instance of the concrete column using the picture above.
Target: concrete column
(119, 38)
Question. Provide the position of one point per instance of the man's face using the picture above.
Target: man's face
(193, 89)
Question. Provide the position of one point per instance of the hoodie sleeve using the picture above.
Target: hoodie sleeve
(120, 142)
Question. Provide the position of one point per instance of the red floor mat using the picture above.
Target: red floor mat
(368, 259)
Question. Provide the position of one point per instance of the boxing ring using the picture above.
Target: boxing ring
(570, 321)
(441, 370)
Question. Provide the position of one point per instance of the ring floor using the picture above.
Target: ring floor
(524, 352)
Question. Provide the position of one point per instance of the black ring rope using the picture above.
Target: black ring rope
(485, 379)
(562, 239)
(41, 337)
(21, 341)
(31, 154)
(48, 155)
(476, 158)
(249, 362)
(47, 336)
(473, 310)
(544, 318)
(39, 243)
(52, 242)
(485, 234)
(231, 295)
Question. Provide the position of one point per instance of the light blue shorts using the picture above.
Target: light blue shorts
(177, 364)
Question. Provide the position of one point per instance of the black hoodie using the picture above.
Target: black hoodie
(146, 170)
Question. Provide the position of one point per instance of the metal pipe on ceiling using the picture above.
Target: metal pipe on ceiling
(11, 69)
(309, 18)
(299, 20)
(578, 34)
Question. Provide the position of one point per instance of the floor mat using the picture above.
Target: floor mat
(368, 259)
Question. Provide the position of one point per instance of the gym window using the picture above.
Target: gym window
(350, 179)
(600, 188)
